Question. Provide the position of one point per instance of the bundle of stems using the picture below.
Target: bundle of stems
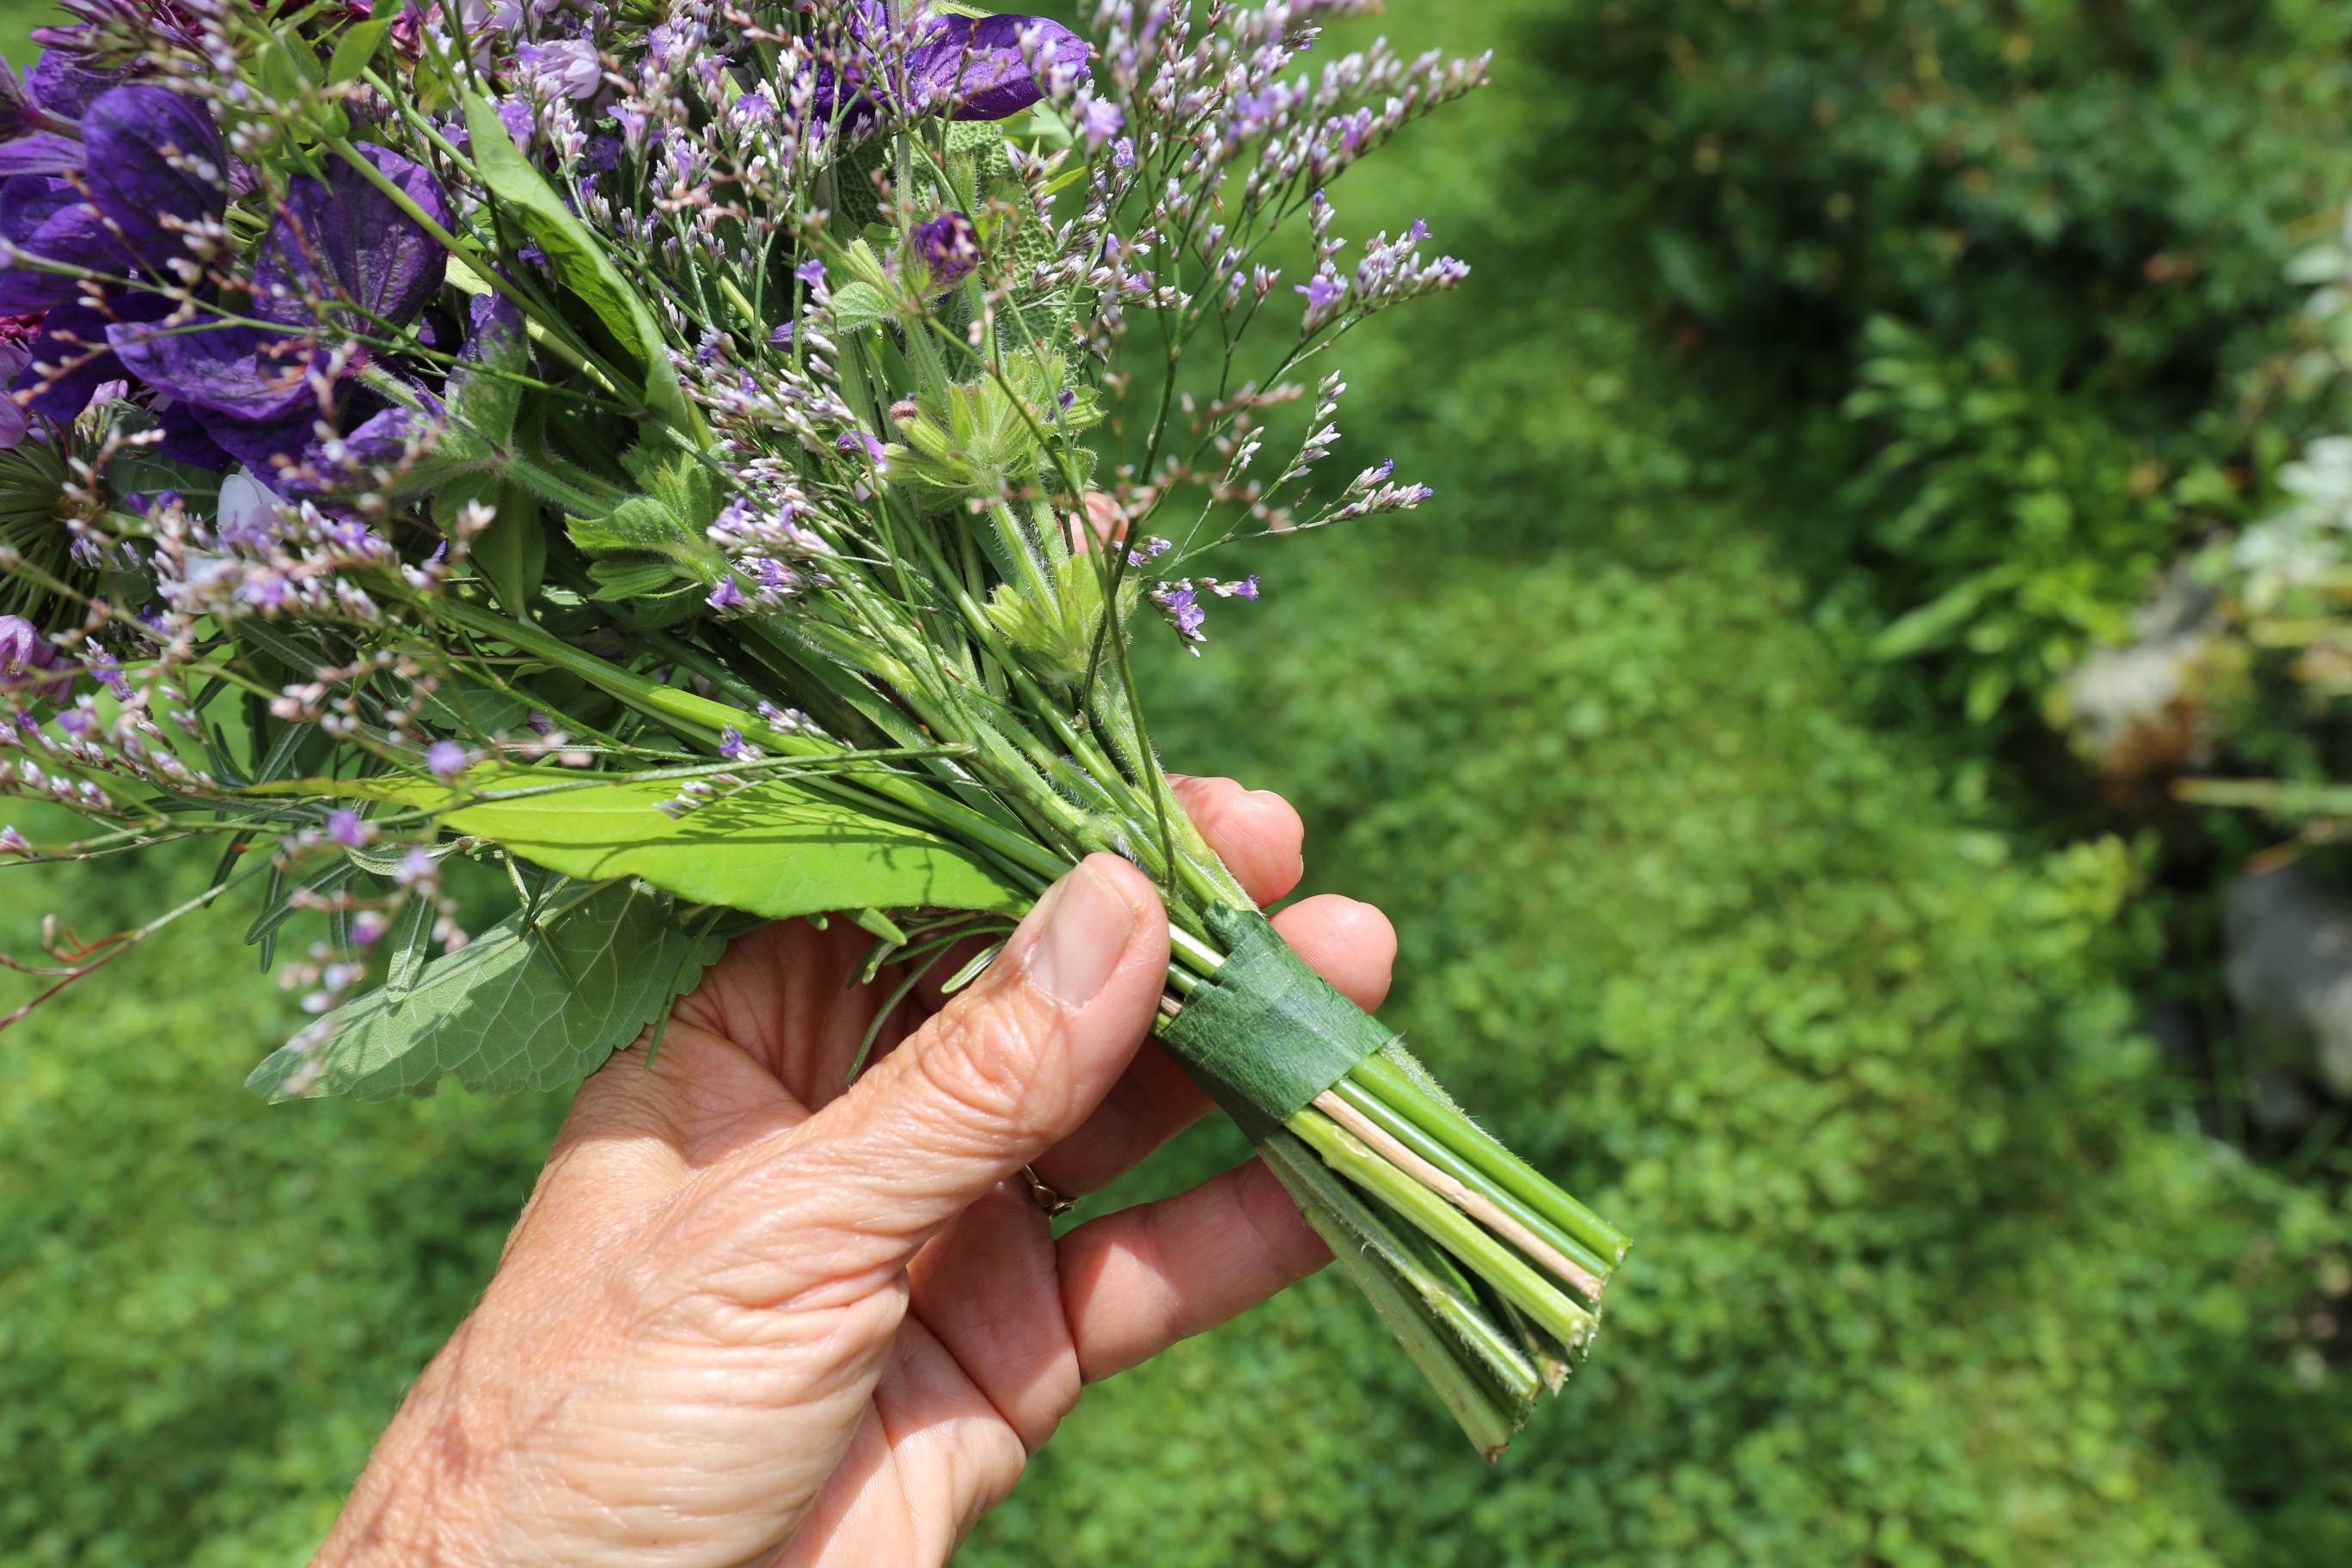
(706, 467)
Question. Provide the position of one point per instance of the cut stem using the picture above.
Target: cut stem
(1500, 1267)
(1444, 1122)
(1473, 1203)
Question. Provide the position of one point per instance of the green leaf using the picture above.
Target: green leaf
(517, 1008)
(858, 305)
(1933, 624)
(640, 525)
(776, 849)
(578, 260)
(512, 552)
(357, 48)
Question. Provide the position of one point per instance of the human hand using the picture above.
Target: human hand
(748, 1316)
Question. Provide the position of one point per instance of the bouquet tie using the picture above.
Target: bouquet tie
(671, 476)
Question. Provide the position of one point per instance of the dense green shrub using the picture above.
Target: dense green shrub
(2088, 206)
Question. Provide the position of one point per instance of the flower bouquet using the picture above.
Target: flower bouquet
(709, 465)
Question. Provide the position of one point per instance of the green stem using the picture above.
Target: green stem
(1471, 1398)
(1445, 1225)
(1430, 1149)
(1443, 1120)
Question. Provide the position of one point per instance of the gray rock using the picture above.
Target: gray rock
(2134, 709)
(2288, 935)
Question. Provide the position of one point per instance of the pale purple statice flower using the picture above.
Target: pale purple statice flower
(346, 828)
(447, 759)
(734, 748)
(726, 595)
(1099, 119)
(14, 843)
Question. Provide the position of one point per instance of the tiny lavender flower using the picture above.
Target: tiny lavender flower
(446, 759)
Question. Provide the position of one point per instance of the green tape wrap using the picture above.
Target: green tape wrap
(1269, 1034)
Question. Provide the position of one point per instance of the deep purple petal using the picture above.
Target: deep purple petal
(29, 201)
(185, 440)
(343, 238)
(68, 335)
(61, 87)
(242, 373)
(258, 444)
(155, 166)
(977, 64)
(42, 152)
(66, 230)
(383, 439)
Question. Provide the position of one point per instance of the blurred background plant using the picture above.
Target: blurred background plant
(1859, 452)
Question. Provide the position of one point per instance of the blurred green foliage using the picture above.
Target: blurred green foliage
(1931, 1266)
(2012, 258)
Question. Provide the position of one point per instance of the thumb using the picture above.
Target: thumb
(1005, 1071)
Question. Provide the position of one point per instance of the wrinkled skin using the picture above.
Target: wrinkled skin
(748, 1317)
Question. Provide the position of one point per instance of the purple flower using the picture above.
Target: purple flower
(754, 108)
(341, 253)
(446, 759)
(1100, 121)
(346, 829)
(14, 843)
(515, 115)
(39, 133)
(1322, 293)
(977, 63)
(25, 657)
(1122, 155)
(875, 453)
(948, 246)
(154, 168)
(567, 67)
(971, 67)
(1183, 610)
(811, 272)
(725, 596)
(735, 748)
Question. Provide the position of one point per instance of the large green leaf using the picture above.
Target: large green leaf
(774, 849)
(521, 1006)
(578, 259)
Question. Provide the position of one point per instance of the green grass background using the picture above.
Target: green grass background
(1932, 1265)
